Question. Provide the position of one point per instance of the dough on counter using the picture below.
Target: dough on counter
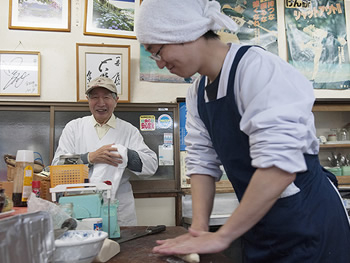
(190, 258)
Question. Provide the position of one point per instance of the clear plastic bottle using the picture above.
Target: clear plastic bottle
(22, 184)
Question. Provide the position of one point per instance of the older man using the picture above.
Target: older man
(109, 145)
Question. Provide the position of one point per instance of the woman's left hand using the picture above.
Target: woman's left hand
(194, 241)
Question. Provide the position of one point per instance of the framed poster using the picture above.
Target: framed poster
(317, 42)
(112, 61)
(19, 73)
(53, 15)
(112, 18)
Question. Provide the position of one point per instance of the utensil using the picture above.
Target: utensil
(148, 231)
(68, 224)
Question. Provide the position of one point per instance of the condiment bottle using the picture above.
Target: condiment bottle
(22, 184)
(36, 188)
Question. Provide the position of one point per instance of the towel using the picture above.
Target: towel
(179, 21)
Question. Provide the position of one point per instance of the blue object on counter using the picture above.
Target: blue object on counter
(92, 205)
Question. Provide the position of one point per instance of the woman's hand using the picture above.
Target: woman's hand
(194, 241)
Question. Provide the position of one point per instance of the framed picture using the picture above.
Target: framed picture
(112, 61)
(19, 73)
(53, 15)
(111, 18)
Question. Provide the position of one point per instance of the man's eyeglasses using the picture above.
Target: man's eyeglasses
(156, 56)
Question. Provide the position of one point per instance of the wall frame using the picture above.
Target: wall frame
(112, 61)
(40, 15)
(19, 73)
(111, 18)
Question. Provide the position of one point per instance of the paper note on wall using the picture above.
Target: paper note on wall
(166, 155)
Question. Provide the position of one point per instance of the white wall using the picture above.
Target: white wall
(58, 59)
(155, 211)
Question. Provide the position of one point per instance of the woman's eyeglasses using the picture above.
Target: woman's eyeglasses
(156, 56)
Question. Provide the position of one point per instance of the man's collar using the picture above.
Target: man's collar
(112, 122)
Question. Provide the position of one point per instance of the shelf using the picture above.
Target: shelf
(344, 180)
(334, 145)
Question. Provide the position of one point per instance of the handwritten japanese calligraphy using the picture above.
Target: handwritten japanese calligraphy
(104, 65)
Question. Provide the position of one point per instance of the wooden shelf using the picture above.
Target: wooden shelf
(335, 145)
(344, 180)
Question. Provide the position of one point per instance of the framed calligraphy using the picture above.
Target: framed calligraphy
(110, 18)
(53, 15)
(19, 73)
(112, 61)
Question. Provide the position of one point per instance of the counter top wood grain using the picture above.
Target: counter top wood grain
(140, 250)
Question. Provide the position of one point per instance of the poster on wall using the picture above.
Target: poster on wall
(53, 15)
(111, 18)
(317, 41)
(149, 71)
(257, 21)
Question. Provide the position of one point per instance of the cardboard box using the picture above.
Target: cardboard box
(8, 186)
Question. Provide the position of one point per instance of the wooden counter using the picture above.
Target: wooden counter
(140, 250)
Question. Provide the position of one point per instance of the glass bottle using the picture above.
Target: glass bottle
(22, 183)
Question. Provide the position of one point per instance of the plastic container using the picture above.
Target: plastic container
(110, 219)
(93, 223)
(337, 171)
(22, 184)
(345, 170)
(68, 174)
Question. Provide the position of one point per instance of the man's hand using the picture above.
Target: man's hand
(107, 154)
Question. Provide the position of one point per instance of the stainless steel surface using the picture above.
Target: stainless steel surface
(27, 238)
(70, 159)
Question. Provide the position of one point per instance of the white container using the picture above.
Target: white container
(25, 156)
(79, 246)
(93, 223)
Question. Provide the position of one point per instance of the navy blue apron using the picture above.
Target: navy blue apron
(310, 226)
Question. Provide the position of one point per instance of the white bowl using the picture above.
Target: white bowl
(79, 246)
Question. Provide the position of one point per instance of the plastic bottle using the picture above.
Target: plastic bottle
(36, 188)
(22, 185)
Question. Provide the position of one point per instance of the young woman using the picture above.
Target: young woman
(251, 112)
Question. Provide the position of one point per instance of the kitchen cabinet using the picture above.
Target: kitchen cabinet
(332, 114)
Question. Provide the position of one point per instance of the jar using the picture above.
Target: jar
(332, 137)
(343, 135)
(67, 208)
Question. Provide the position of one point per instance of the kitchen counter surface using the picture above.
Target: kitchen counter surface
(140, 250)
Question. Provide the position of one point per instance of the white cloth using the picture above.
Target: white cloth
(79, 136)
(280, 129)
(179, 21)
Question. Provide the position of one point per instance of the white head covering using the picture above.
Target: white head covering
(179, 21)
